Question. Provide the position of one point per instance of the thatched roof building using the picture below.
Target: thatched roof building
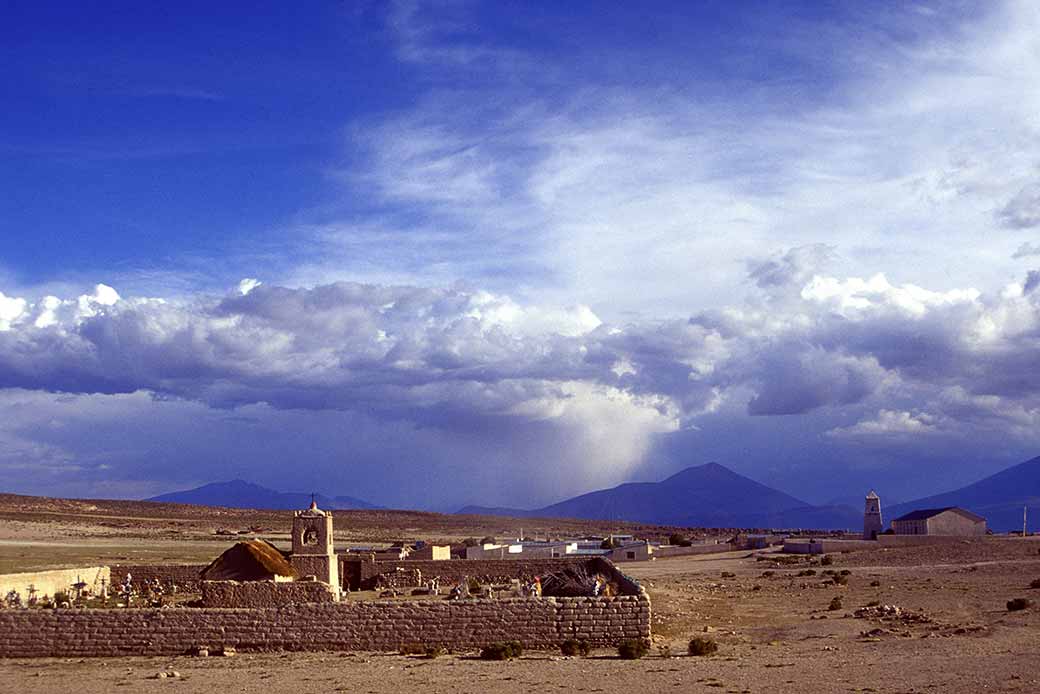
(252, 560)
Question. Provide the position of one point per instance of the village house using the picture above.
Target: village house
(423, 551)
(940, 521)
(633, 551)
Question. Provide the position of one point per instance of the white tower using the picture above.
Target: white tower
(872, 526)
(312, 551)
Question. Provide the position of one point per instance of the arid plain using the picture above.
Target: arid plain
(775, 619)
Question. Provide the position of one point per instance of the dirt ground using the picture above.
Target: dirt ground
(774, 629)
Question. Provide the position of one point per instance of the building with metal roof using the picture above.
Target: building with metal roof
(951, 520)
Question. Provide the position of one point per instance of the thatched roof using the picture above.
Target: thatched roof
(252, 560)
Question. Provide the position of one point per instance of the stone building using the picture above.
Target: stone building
(427, 552)
(634, 551)
(940, 521)
(312, 551)
(872, 523)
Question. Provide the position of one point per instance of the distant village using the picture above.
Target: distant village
(910, 528)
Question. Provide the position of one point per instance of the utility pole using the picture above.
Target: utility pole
(1024, 520)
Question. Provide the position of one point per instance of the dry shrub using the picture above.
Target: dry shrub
(502, 651)
(781, 559)
(632, 649)
(435, 651)
(1016, 604)
(702, 646)
(575, 647)
(835, 603)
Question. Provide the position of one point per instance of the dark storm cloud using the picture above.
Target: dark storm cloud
(501, 381)
(798, 378)
(404, 349)
(331, 347)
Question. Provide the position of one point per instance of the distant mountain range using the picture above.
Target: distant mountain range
(999, 498)
(242, 494)
(704, 496)
(714, 496)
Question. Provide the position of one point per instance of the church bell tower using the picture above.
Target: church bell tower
(872, 526)
(312, 551)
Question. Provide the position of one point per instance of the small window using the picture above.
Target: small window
(630, 555)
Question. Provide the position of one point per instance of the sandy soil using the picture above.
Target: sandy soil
(773, 627)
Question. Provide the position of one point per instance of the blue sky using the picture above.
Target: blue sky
(165, 135)
(541, 247)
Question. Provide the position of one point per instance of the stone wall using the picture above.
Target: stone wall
(186, 576)
(399, 579)
(605, 621)
(361, 575)
(667, 551)
(47, 583)
(334, 626)
(261, 594)
(909, 540)
(825, 545)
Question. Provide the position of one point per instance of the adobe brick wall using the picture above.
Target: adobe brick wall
(337, 626)
(186, 576)
(603, 621)
(264, 593)
(825, 545)
(399, 579)
(669, 551)
(910, 540)
(359, 574)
